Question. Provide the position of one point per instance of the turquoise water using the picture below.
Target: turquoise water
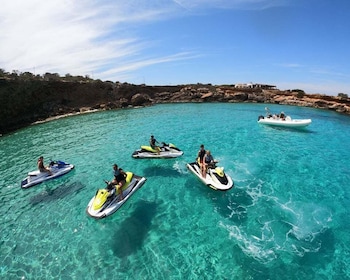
(286, 218)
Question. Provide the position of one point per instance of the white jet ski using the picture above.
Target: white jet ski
(166, 151)
(215, 177)
(57, 168)
(104, 204)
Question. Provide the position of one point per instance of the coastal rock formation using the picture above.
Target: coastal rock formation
(140, 99)
(25, 102)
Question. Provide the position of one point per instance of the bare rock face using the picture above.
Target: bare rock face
(123, 102)
(140, 99)
(240, 96)
(206, 95)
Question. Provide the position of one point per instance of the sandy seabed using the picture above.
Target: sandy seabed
(82, 111)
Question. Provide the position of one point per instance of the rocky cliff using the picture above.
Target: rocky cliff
(25, 102)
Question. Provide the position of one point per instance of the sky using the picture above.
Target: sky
(292, 44)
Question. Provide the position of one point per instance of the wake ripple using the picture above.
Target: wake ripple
(273, 229)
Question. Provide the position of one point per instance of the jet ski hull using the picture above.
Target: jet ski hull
(167, 151)
(36, 177)
(112, 205)
(215, 178)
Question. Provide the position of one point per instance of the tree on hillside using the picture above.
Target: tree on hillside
(343, 95)
(26, 76)
(300, 93)
(51, 77)
(3, 73)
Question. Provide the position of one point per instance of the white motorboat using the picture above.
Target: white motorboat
(285, 122)
(56, 168)
(282, 120)
(215, 177)
(103, 204)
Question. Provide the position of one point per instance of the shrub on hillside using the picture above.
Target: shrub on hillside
(343, 95)
(300, 93)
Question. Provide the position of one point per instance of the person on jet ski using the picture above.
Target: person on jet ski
(152, 143)
(119, 179)
(42, 167)
(200, 159)
(111, 189)
(208, 160)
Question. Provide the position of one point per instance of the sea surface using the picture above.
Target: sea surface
(286, 218)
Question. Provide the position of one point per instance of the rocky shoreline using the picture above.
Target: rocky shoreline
(43, 101)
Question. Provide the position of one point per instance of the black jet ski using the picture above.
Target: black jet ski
(165, 151)
(215, 177)
(57, 168)
(104, 204)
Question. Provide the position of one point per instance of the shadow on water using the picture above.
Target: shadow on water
(49, 195)
(153, 171)
(132, 232)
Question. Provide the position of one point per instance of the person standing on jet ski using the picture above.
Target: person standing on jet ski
(119, 179)
(200, 159)
(152, 143)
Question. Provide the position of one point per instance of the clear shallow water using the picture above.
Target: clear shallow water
(286, 218)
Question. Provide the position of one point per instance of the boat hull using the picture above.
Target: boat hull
(285, 123)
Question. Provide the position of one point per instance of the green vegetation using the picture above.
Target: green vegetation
(300, 93)
(343, 95)
(27, 76)
(26, 98)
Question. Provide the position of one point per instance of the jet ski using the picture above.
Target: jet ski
(57, 168)
(104, 203)
(166, 151)
(215, 177)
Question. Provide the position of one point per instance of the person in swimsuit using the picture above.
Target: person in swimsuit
(208, 160)
(152, 143)
(200, 159)
(42, 167)
(119, 179)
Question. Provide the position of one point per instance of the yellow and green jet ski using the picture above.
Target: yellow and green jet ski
(164, 151)
(105, 202)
